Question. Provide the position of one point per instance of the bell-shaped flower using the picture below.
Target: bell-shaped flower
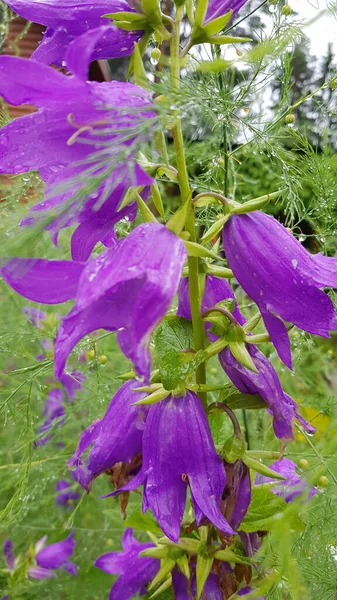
(127, 288)
(265, 382)
(66, 496)
(292, 486)
(281, 276)
(9, 555)
(83, 140)
(52, 557)
(34, 316)
(54, 415)
(117, 437)
(178, 450)
(134, 572)
(66, 20)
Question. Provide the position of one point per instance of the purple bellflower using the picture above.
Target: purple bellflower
(52, 557)
(127, 288)
(281, 276)
(293, 485)
(265, 382)
(134, 572)
(178, 451)
(117, 437)
(237, 494)
(211, 589)
(65, 20)
(82, 132)
(217, 8)
(34, 316)
(66, 497)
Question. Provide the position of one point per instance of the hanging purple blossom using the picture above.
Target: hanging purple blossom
(134, 572)
(281, 277)
(53, 556)
(211, 589)
(82, 140)
(66, 497)
(237, 494)
(178, 451)
(293, 486)
(265, 382)
(54, 415)
(34, 316)
(67, 20)
(117, 437)
(127, 288)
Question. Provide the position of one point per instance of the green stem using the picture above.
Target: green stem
(194, 279)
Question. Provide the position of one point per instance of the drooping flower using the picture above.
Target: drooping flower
(66, 497)
(9, 555)
(117, 437)
(237, 494)
(82, 140)
(134, 572)
(293, 485)
(52, 557)
(66, 20)
(178, 451)
(127, 288)
(281, 276)
(217, 8)
(53, 414)
(265, 382)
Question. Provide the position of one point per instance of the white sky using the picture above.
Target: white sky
(324, 28)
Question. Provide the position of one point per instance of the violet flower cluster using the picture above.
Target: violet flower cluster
(84, 140)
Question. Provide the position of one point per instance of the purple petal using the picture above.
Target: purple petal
(40, 573)
(80, 51)
(87, 235)
(72, 383)
(9, 554)
(217, 8)
(247, 590)
(28, 82)
(293, 486)
(46, 281)
(238, 492)
(266, 383)
(56, 555)
(279, 336)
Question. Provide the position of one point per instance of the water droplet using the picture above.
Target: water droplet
(294, 262)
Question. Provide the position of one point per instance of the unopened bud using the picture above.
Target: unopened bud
(286, 10)
(234, 449)
(288, 119)
(303, 463)
(91, 354)
(103, 359)
(155, 54)
(239, 52)
(323, 481)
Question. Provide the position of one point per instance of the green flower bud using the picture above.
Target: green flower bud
(303, 463)
(288, 119)
(155, 54)
(287, 10)
(103, 359)
(323, 481)
(234, 449)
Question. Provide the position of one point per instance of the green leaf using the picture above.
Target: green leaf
(157, 200)
(249, 401)
(228, 39)
(263, 509)
(178, 220)
(259, 467)
(217, 24)
(139, 70)
(143, 523)
(172, 336)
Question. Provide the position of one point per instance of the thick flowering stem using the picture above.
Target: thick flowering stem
(185, 191)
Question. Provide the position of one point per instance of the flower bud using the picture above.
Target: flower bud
(323, 481)
(155, 54)
(303, 463)
(102, 359)
(91, 354)
(287, 10)
(288, 119)
(234, 449)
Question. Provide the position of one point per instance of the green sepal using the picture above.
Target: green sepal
(183, 565)
(230, 556)
(250, 325)
(142, 45)
(124, 16)
(214, 229)
(126, 376)
(234, 449)
(129, 196)
(203, 32)
(205, 200)
(153, 398)
(166, 567)
(178, 221)
(255, 204)
(147, 215)
(200, 12)
(157, 200)
(131, 26)
(194, 249)
(227, 39)
(159, 552)
(170, 172)
(218, 271)
(163, 587)
(203, 569)
(190, 545)
(139, 72)
(154, 18)
(240, 352)
(259, 467)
